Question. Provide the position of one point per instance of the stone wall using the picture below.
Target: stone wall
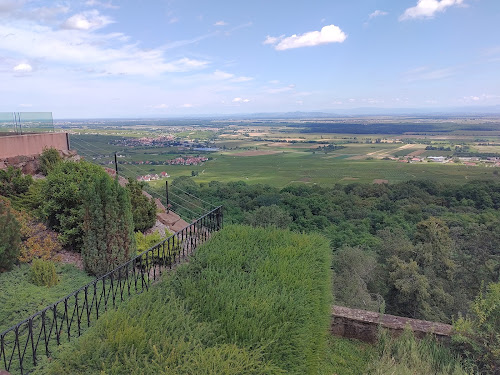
(31, 144)
(363, 325)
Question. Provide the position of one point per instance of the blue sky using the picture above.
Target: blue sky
(101, 58)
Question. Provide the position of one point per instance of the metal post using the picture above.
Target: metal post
(168, 203)
(67, 141)
(116, 165)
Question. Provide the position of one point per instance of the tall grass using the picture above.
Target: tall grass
(252, 301)
(406, 355)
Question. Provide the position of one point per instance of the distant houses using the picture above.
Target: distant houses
(153, 177)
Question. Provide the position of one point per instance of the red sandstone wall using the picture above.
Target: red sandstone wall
(31, 144)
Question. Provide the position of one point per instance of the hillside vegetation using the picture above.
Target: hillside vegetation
(251, 301)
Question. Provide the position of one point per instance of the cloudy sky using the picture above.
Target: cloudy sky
(112, 58)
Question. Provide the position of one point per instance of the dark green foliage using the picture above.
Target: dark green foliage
(62, 200)
(143, 208)
(477, 336)
(108, 226)
(268, 216)
(252, 301)
(43, 273)
(433, 243)
(19, 298)
(354, 273)
(10, 237)
(48, 160)
(13, 182)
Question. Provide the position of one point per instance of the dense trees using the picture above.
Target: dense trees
(419, 247)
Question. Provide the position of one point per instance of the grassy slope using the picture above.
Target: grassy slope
(19, 298)
(252, 301)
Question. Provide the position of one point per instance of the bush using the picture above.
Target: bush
(10, 238)
(43, 273)
(251, 301)
(477, 336)
(61, 203)
(267, 289)
(155, 333)
(108, 226)
(13, 182)
(49, 158)
(143, 208)
(146, 241)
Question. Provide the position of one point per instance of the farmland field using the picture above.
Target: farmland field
(280, 155)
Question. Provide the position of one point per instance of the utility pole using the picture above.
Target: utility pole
(166, 191)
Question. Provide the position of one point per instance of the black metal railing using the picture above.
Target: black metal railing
(23, 345)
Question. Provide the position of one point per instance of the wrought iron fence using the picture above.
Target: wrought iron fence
(23, 345)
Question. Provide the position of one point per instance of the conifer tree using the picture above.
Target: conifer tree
(108, 225)
(10, 238)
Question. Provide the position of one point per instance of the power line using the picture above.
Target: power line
(100, 152)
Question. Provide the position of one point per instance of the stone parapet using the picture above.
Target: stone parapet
(363, 325)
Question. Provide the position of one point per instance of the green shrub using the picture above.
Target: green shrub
(154, 334)
(147, 241)
(43, 273)
(108, 226)
(267, 289)
(49, 158)
(13, 182)
(252, 301)
(477, 336)
(61, 203)
(406, 355)
(10, 238)
(143, 208)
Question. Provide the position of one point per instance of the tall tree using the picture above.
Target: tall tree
(108, 226)
(10, 239)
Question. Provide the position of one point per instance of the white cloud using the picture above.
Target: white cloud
(159, 106)
(378, 13)
(220, 23)
(89, 51)
(424, 73)
(240, 100)
(479, 98)
(102, 4)
(23, 68)
(89, 20)
(221, 76)
(25, 105)
(280, 90)
(327, 34)
(428, 8)
(187, 105)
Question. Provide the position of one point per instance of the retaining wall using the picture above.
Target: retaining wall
(31, 144)
(363, 325)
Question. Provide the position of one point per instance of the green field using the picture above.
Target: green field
(256, 155)
(282, 169)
